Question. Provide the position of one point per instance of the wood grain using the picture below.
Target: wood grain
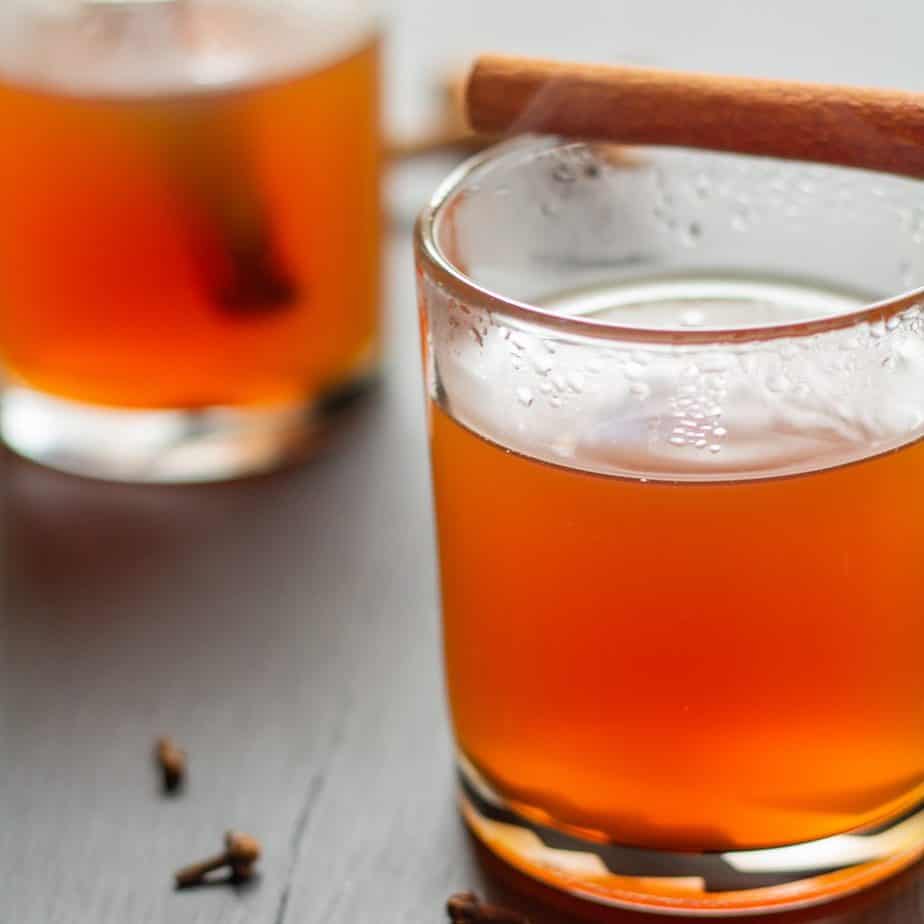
(853, 126)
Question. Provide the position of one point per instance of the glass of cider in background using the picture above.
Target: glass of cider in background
(676, 408)
(189, 245)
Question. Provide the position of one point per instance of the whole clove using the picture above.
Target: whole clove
(172, 762)
(240, 854)
(467, 908)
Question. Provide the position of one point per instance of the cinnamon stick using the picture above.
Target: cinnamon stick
(852, 126)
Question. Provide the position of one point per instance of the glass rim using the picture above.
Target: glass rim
(461, 286)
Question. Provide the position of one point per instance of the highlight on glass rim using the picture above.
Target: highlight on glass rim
(461, 462)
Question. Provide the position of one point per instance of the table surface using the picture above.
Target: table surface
(285, 628)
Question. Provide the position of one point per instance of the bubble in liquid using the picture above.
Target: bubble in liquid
(524, 396)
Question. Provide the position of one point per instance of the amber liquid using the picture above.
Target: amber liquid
(702, 665)
(186, 246)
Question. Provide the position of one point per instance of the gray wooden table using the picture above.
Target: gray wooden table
(285, 628)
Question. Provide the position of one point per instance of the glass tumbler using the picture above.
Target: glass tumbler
(676, 402)
(190, 233)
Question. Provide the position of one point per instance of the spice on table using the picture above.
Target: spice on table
(240, 854)
(172, 762)
(467, 908)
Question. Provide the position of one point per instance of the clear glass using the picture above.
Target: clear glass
(676, 406)
(189, 244)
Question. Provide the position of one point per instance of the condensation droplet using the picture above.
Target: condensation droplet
(678, 441)
(719, 432)
(546, 388)
(524, 396)
(777, 383)
(575, 382)
(640, 389)
(715, 447)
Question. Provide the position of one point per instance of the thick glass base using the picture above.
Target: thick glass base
(165, 446)
(735, 882)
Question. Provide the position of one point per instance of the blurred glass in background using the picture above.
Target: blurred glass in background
(190, 237)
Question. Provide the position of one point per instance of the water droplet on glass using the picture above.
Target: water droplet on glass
(575, 382)
(719, 432)
(692, 318)
(715, 447)
(524, 396)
